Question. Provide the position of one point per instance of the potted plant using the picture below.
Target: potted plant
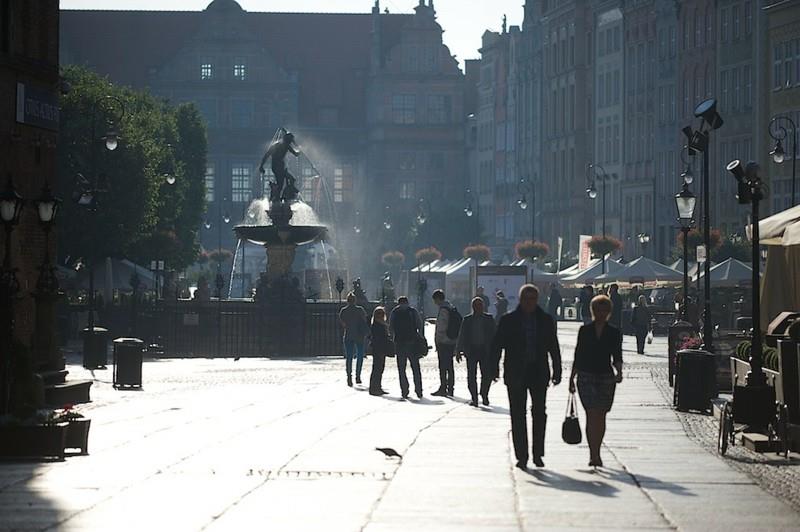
(38, 436)
(77, 436)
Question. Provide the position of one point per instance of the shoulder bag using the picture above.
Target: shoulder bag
(571, 428)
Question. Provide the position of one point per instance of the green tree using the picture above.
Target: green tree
(138, 213)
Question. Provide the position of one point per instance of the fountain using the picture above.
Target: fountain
(280, 225)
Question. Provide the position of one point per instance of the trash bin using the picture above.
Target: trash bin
(695, 380)
(679, 332)
(128, 362)
(95, 347)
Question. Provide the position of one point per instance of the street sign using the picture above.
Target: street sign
(701, 253)
(37, 107)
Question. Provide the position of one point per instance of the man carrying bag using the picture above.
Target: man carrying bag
(407, 327)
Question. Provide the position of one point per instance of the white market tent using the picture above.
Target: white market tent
(535, 275)
(591, 273)
(729, 273)
(642, 270)
(780, 288)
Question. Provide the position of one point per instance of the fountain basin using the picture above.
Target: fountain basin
(267, 235)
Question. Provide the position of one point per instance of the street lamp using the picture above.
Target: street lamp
(47, 207)
(687, 175)
(357, 223)
(644, 240)
(471, 199)
(10, 208)
(751, 190)
(423, 208)
(698, 142)
(779, 133)
(524, 187)
(591, 191)
(387, 222)
(685, 202)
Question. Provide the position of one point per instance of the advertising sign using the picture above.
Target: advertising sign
(37, 107)
(584, 253)
(509, 279)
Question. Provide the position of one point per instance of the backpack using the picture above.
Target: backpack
(405, 327)
(454, 323)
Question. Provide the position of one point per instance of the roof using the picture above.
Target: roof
(330, 52)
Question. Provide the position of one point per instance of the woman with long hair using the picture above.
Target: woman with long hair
(598, 367)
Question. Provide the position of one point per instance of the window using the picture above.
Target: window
(239, 70)
(338, 184)
(662, 43)
(723, 34)
(436, 161)
(748, 86)
(736, 22)
(723, 81)
(439, 109)
(242, 112)
(735, 84)
(797, 60)
(601, 91)
(709, 18)
(404, 109)
(686, 33)
(673, 44)
(616, 150)
(241, 186)
(208, 108)
(206, 71)
(748, 18)
(209, 179)
(698, 28)
(617, 39)
(617, 89)
(777, 70)
(787, 64)
(601, 45)
(408, 161)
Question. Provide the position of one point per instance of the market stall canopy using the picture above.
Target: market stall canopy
(592, 273)
(535, 275)
(730, 272)
(121, 272)
(642, 270)
(781, 229)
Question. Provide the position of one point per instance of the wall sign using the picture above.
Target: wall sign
(37, 107)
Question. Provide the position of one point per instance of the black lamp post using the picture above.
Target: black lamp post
(591, 191)
(47, 207)
(10, 208)
(472, 208)
(525, 187)
(750, 190)
(423, 211)
(685, 202)
(387, 219)
(644, 240)
(698, 142)
(779, 133)
(357, 223)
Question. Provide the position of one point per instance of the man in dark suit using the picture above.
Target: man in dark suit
(528, 337)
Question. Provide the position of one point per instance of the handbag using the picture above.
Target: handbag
(571, 428)
(420, 346)
(650, 336)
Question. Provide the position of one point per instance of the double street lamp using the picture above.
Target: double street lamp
(525, 188)
(591, 191)
(470, 200)
(644, 240)
(698, 142)
(779, 133)
(685, 202)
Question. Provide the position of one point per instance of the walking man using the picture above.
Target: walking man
(528, 337)
(616, 306)
(406, 326)
(475, 342)
(354, 322)
(501, 304)
(446, 336)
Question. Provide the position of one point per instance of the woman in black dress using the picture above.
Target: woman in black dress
(641, 323)
(598, 366)
(382, 346)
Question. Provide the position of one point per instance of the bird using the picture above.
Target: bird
(389, 452)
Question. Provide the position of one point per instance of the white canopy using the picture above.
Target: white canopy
(535, 274)
(642, 270)
(782, 229)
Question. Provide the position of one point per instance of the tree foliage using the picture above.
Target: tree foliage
(138, 214)
(602, 246)
(531, 249)
(428, 255)
(478, 252)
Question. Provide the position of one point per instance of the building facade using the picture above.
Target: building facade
(375, 99)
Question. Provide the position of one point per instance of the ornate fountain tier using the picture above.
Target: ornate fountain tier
(280, 239)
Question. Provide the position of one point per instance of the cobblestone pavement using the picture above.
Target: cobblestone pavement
(777, 475)
(277, 445)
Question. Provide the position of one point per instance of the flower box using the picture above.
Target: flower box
(78, 435)
(33, 441)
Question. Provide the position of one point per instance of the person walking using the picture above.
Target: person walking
(405, 325)
(585, 297)
(616, 306)
(555, 303)
(475, 342)
(445, 344)
(527, 336)
(641, 323)
(598, 367)
(382, 347)
(354, 322)
(481, 293)
(500, 304)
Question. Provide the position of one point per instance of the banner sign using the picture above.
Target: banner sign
(36, 107)
(584, 253)
(701, 253)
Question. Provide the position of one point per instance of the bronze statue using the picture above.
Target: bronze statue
(284, 188)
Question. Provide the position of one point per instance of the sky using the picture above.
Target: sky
(463, 21)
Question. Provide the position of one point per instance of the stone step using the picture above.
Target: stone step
(759, 443)
(54, 377)
(73, 392)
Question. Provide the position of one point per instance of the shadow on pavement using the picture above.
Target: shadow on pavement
(644, 481)
(23, 504)
(551, 479)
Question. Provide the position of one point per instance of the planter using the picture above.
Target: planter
(33, 441)
(77, 436)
